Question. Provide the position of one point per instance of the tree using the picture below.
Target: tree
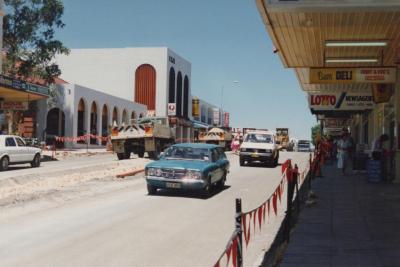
(28, 38)
(315, 132)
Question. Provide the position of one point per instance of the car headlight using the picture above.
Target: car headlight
(193, 174)
(151, 171)
(158, 172)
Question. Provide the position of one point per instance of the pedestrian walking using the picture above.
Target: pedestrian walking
(343, 148)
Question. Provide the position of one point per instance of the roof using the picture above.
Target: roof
(196, 145)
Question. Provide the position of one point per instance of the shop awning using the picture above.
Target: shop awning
(17, 90)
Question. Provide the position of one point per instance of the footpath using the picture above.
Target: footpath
(353, 223)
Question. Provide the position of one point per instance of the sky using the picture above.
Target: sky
(224, 40)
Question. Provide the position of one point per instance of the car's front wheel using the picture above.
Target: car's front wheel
(152, 190)
(207, 190)
(36, 161)
(4, 164)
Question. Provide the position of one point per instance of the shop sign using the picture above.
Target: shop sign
(196, 108)
(215, 115)
(352, 75)
(22, 85)
(340, 101)
(226, 119)
(13, 105)
(336, 123)
(382, 92)
(171, 109)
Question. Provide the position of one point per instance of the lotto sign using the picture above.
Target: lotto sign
(340, 101)
(171, 109)
(352, 75)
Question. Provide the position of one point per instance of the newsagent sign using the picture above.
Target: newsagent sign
(352, 75)
(340, 101)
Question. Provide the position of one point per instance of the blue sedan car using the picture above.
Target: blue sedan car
(188, 166)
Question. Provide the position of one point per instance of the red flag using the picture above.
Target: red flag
(260, 214)
(228, 254)
(278, 192)
(245, 232)
(217, 264)
(274, 199)
(268, 203)
(264, 211)
(254, 220)
(234, 251)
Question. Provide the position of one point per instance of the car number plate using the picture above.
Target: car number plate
(173, 185)
(255, 155)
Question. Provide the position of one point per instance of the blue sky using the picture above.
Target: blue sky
(224, 40)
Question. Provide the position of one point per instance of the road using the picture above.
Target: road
(126, 227)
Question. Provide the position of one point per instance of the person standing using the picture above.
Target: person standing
(343, 148)
(381, 152)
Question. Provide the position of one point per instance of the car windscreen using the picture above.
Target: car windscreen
(187, 153)
(259, 138)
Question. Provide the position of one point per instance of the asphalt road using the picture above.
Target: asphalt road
(126, 227)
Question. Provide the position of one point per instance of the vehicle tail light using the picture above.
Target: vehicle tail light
(148, 130)
(114, 131)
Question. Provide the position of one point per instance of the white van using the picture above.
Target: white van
(259, 146)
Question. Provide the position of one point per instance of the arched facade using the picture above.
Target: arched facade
(125, 116)
(186, 97)
(145, 86)
(133, 115)
(115, 116)
(81, 127)
(55, 122)
(179, 95)
(104, 123)
(93, 121)
(171, 86)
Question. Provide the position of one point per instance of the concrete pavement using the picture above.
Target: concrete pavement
(126, 227)
(354, 223)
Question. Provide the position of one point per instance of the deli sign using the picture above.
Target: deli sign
(352, 75)
(340, 101)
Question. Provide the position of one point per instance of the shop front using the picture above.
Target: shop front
(18, 106)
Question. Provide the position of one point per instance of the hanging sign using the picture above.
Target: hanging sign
(382, 92)
(171, 109)
(196, 108)
(336, 123)
(13, 105)
(340, 101)
(215, 115)
(352, 75)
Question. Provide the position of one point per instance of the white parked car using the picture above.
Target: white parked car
(259, 146)
(13, 150)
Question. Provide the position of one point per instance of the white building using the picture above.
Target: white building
(150, 76)
(73, 111)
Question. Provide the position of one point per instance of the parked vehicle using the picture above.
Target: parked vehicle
(13, 150)
(217, 136)
(282, 137)
(191, 166)
(151, 135)
(259, 146)
(304, 146)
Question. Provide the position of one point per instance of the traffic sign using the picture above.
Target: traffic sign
(171, 109)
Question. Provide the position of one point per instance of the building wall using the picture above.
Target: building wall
(112, 71)
(66, 97)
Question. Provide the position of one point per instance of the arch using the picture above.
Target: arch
(171, 88)
(125, 116)
(186, 97)
(179, 95)
(115, 116)
(55, 122)
(93, 121)
(104, 123)
(133, 115)
(145, 86)
(81, 128)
